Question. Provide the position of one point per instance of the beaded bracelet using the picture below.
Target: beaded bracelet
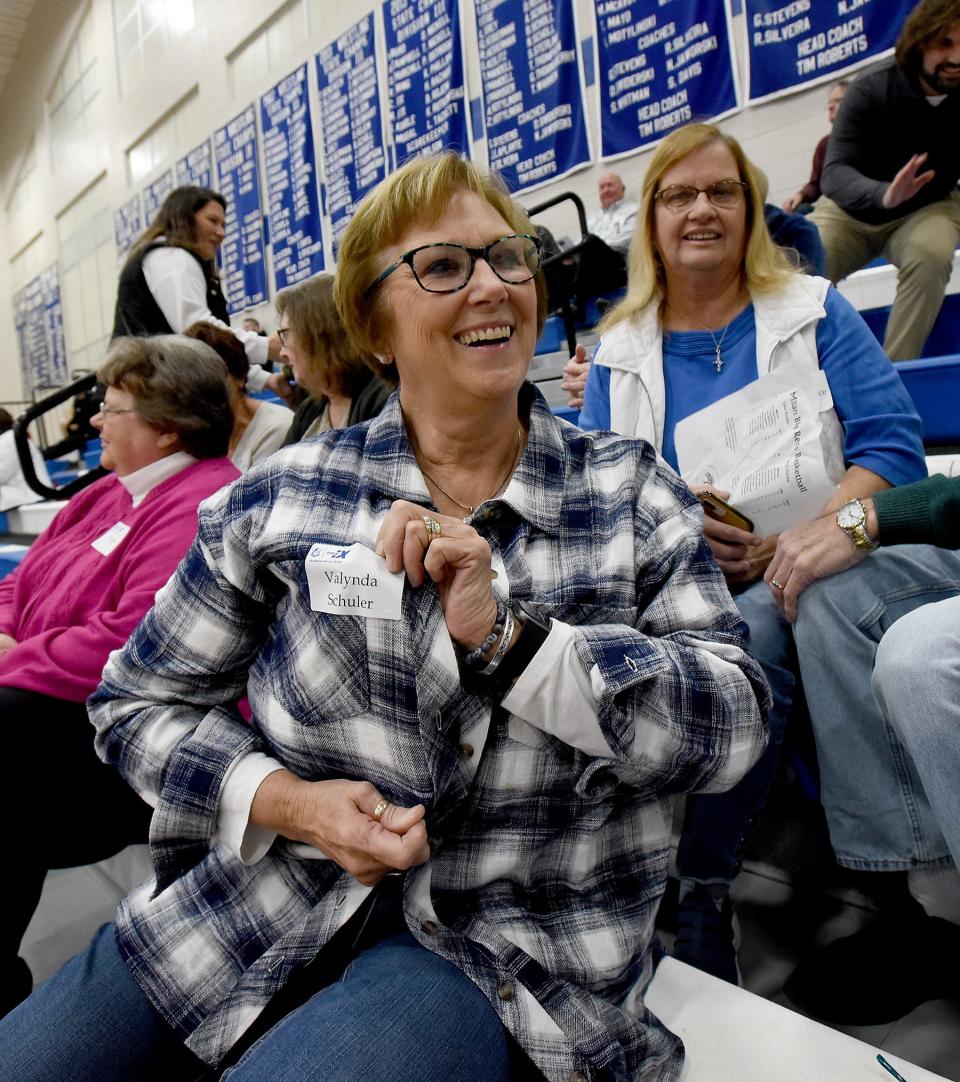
(476, 658)
(508, 625)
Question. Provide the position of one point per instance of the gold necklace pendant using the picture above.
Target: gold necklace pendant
(467, 507)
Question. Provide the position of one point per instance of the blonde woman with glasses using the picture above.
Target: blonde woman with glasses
(713, 306)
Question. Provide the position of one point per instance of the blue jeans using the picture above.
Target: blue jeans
(714, 825)
(916, 682)
(397, 1012)
(877, 810)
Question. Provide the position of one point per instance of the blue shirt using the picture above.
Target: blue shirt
(882, 431)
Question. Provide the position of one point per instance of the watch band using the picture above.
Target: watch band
(856, 531)
(533, 634)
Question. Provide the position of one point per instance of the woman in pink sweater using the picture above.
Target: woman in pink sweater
(80, 591)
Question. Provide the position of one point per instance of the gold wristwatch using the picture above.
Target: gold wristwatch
(851, 518)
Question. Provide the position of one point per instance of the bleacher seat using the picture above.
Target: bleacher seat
(91, 454)
(943, 339)
(10, 556)
(934, 385)
(567, 413)
(552, 338)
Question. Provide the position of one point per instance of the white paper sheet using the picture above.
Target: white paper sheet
(762, 444)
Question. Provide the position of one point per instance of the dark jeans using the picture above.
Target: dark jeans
(63, 808)
(715, 825)
(385, 1008)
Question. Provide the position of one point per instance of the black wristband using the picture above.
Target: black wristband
(533, 634)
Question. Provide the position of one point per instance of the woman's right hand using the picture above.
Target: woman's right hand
(575, 377)
(732, 547)
(337, 817)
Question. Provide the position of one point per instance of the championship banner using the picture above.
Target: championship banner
(532, 90)
(428, 106)
(354, 150)
(238, 180)
(196, 167)
(659, 67)
(155, 193)
(38, 325)
(790, 46)
(127, 226)
(296, 236)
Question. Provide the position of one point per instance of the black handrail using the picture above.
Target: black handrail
(562, 198)
(22, 444)
(567, 309)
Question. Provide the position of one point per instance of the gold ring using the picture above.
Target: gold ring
(773, 582)
(434, 529)
(380, 809)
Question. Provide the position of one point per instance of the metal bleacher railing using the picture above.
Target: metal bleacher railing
(21, 427)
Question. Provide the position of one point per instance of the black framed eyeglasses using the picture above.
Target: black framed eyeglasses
(725, 194)
(447, 267)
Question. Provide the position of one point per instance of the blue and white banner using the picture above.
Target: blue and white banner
(197, 167)
(791, 45)
(532, 90)
(428, 106)
(296, 237)
(38, 324)
(659, 67)
(354, 150)
(127, 226)
(155, 193)
(238, 180)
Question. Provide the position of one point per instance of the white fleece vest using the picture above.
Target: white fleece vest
(786, 327)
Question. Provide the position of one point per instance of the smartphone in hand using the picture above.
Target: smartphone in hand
(725, 512)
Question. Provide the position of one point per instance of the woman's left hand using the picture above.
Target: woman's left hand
(732, 547)
(458, 561)
(7, 643)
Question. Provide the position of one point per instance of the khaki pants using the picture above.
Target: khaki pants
(920, 246)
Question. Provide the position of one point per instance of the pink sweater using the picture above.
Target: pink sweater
(68, 606)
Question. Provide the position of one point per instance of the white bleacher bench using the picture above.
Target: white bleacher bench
(732, 1035)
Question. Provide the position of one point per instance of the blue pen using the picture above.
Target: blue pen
(896, 1074)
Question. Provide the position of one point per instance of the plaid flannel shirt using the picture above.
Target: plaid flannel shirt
(546, 879)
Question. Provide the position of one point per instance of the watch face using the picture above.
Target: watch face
(850, 514)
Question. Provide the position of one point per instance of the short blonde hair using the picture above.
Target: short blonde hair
(765, 267)
(418, 191)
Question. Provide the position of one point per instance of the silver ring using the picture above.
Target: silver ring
(434, 529)
(773, 582)
(380, 809)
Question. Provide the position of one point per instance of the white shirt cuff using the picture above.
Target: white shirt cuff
(256, 376)
(554, 694)
(234, 829)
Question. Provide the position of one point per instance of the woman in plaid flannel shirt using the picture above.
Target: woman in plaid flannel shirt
(438, 850)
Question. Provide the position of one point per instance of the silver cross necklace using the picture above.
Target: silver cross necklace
(717, 342)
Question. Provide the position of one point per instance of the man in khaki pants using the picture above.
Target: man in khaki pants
(890, 176)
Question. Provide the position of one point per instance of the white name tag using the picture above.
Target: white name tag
(108, 541)
(352, 581)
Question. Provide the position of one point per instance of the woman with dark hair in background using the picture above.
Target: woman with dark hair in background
(344, 383)
(259, 427)
(81, 589)
(170, 279)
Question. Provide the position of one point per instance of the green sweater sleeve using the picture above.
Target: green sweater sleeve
(926, 513)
